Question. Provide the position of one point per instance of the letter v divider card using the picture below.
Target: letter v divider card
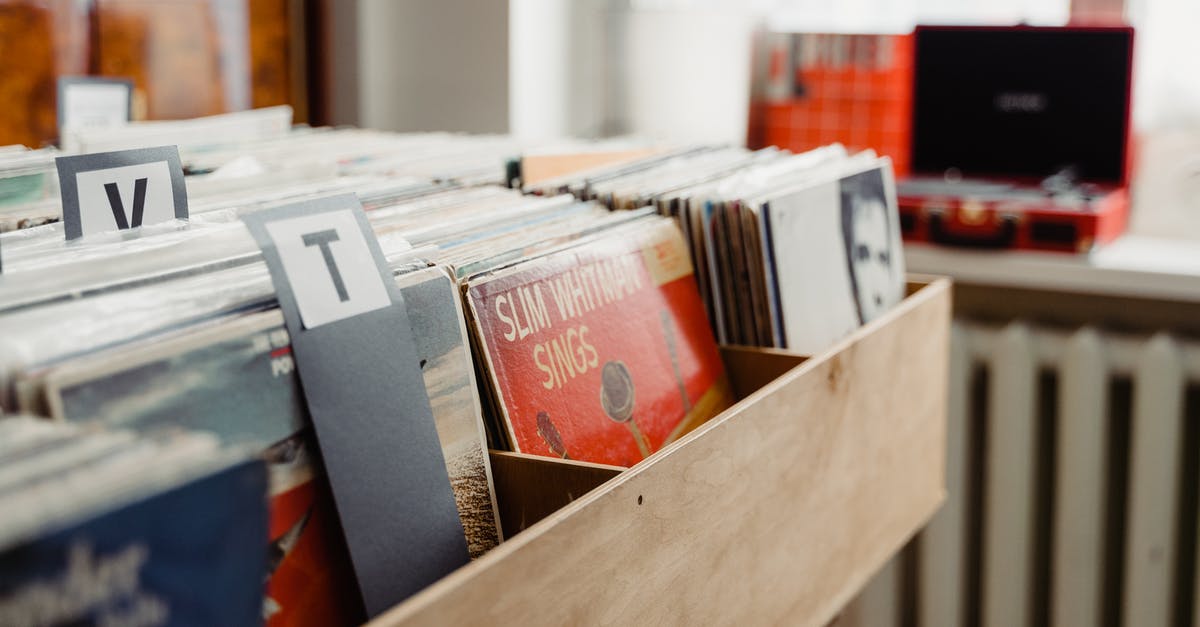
(110, 191)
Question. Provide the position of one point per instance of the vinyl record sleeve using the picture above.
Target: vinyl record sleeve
(237, 379)
(186, 554)
(835, 255)
(601, 352)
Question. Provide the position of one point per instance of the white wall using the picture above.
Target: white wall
(600, 67)
(558, 63)
(539, 101)
(429, 65)
(1166, 63)
(681, 73)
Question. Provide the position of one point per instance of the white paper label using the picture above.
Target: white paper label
(125, 197)
(329, 266)
(94, 105)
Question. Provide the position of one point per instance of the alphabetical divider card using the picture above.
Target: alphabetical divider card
(362, 381)
(93, 102)
(110, 191)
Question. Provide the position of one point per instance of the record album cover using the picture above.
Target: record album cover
(601, 352)
(238, 380)
(185, 553)
(835, 256)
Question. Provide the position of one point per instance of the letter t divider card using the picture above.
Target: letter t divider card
(362, 381)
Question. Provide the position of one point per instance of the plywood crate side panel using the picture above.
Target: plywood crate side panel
(529, 487)
(779, 510)
(750, 369)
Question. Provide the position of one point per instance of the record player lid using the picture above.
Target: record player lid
(1022, 102)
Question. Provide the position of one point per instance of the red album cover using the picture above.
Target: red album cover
(310, 581)
(601, 353)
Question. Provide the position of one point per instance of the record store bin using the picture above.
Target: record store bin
(776, 511)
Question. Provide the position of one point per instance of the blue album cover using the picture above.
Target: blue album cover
(191, 555)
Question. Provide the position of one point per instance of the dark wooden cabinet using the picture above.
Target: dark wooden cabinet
(186, 58)
(39, 41)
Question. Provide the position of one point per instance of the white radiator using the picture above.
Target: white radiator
(1073, 474)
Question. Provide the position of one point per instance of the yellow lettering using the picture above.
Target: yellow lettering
(578, 357)
(511, 333)
(522, 331)
(562, 358)
(594, 360)
(541, 315)
(606, 282)
(537, 352)
(577, 294)
(562, 300)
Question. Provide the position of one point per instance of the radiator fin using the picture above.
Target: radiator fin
(1077, 574)
(1073, 480)
(1008, 513)
(1153, 479)
(941, 549)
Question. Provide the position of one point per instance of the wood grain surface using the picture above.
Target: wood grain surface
(186, 58)
(39, 41)
(531, 487)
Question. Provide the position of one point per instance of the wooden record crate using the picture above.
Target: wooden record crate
(776, 511)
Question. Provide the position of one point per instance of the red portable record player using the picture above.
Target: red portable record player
(1020, 137)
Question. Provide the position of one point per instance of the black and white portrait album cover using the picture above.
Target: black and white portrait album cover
(834, 250)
